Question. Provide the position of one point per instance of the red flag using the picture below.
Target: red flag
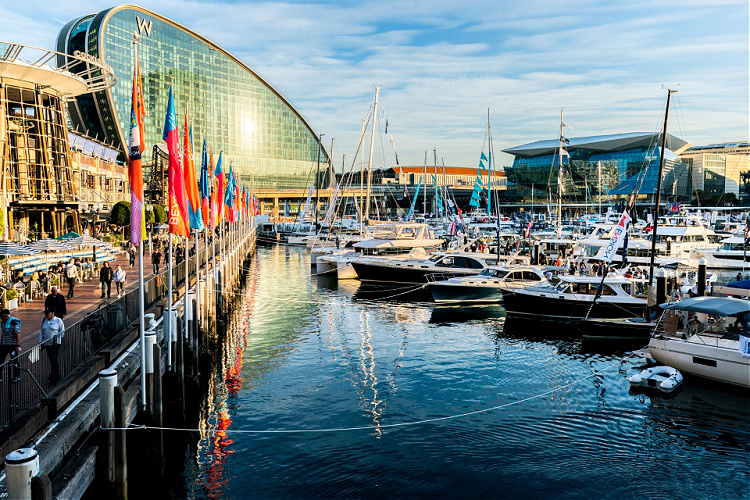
(178, 218)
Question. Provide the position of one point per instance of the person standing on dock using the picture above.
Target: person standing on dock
(120, 281)
(50, 338)
(131, 255)
(105, 278)
(71, 274)
(156, 259)
(11, 341)
(56, 302)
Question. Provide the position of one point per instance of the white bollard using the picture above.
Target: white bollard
(107, 383)
(20, 466)
(150, 343)
(170, 324)
(190, 297)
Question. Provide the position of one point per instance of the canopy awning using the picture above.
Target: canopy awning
(721, 306)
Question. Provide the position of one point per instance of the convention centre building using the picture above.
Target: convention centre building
(268, 142)
(602, 166)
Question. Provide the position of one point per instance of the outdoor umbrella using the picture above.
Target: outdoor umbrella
(49, 245)
(87, 241)
(9, 248)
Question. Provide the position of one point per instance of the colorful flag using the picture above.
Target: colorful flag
(219, 174)
(135, 170)
(214, 205)
(205, 185)
(191, 184)
(178, 221)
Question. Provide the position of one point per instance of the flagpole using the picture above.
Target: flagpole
(197, 279)
(168, 336)
(187, 285)
(141, 313)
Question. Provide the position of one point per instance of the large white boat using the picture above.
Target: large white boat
(488, 285)
(732, 254)
(390, 240)
(702, 336)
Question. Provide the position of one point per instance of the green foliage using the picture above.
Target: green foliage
(149, 214)
(160, 214)
(120, 215)
(11, 294)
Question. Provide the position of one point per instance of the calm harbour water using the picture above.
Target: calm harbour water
(360, 398)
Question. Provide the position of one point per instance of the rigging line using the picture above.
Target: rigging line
(409, 289)
(381, 426)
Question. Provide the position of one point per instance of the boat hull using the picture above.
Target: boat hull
(554, 306)
(444, 293)
(404, 274)
(711, 362)
(615, 329)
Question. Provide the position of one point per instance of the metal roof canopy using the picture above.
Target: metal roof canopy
(31, 64)
(602, 143)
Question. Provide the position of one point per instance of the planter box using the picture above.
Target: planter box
(13, 304)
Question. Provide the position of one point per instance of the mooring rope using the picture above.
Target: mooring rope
(373, 427)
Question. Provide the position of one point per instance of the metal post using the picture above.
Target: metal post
(661, 286)
(20, 466)
(701, 277)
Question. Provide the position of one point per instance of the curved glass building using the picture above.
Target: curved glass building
(268, 142)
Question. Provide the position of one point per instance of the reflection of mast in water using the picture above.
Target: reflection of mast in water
(367, 365)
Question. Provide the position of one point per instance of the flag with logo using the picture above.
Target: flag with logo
(135, 169)
(205, 185)
(191, 183)
(178, 218)
(219, 174)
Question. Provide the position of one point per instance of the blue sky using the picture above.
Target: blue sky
(441, 64)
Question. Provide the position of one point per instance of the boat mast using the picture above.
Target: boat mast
(424, 191)
(369, 162)
(559, 179)
(658, 189)
(489, 169)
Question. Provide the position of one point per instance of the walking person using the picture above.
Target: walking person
(156, 260)
(11, 341)
(120, 281)
(56, 302)
(106, 274)
(71, 274)
(50, 337)
(131, 255)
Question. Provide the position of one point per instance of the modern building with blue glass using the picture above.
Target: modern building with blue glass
(268, 142)
(599, 166)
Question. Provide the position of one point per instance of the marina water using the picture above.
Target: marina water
(335, 390)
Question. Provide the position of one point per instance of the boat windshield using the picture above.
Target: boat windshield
(493, 273)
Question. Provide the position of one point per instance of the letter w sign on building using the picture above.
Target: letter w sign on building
(143, 25)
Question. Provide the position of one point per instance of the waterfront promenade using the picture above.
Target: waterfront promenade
(86, 299)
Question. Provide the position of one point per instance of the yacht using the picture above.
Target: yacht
(416, 271)
(573, 299)
(701, 336)
(488, 285)
(731, 254)
(389, 240)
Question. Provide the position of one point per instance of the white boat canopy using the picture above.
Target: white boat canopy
(721, 306)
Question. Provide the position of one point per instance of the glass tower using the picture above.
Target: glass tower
(267, 141)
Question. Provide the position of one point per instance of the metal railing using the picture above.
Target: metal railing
(30, 377)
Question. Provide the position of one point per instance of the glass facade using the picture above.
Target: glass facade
(590, 171)
(268, 143)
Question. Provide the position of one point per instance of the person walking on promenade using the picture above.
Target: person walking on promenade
(105, 277)
(131, 255)
(156, 260)
(50, 337)
(71, 274)
(120, 280)
(11, 341)
(56, 302)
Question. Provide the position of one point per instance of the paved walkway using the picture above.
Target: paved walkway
(85, 300)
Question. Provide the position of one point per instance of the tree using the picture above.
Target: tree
(160, 214)
(120, 215)
(149, 214)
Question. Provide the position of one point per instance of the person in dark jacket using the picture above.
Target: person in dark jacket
(105, 278)
(56, 302)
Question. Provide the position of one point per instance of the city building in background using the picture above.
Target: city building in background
(599, 167)
(267, 141)
(717, 171)
(50, 176)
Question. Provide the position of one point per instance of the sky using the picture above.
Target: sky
(441, 65)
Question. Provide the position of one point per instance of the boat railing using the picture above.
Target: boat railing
(434, 277)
